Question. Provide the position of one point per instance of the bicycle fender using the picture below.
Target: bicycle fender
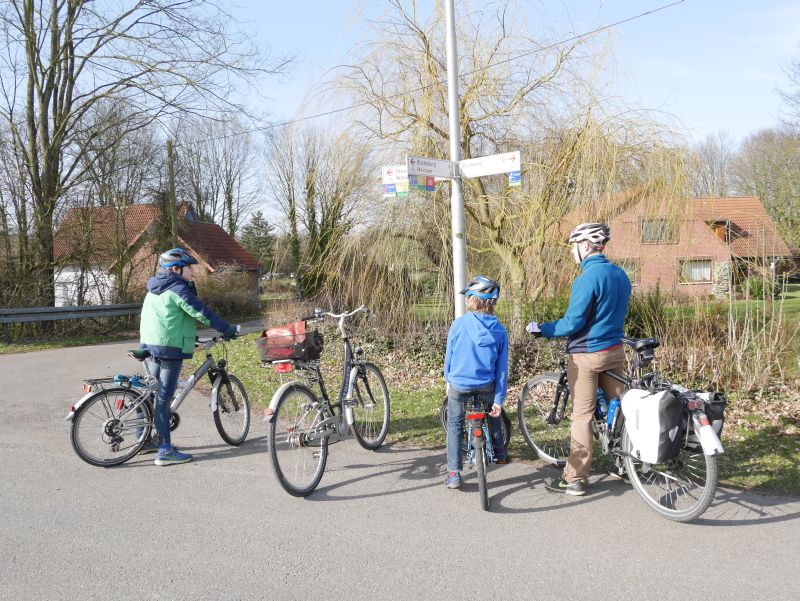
(273, 404)
(218, 381)
(87, 396)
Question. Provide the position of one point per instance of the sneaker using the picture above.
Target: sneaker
(172, 456)
(503, 459)
(576, 489)
(149, 447)
(453, 480)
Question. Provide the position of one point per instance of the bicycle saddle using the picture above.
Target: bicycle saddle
(638, 344)
(139, 354)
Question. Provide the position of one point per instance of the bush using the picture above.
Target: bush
(646, 314)
(760, 288)
(228, 293)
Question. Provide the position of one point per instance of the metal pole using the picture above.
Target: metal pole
(457, 196)
(171, 191)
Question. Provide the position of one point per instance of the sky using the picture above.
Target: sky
(715, 65)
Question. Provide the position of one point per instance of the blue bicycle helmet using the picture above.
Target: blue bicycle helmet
(482, 287)
(175, 257)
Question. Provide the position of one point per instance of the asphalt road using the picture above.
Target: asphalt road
(380, 526)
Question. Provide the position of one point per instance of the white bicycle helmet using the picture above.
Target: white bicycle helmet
(596, 234)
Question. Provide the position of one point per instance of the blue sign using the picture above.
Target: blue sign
(514, 179)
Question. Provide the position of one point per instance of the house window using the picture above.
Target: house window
(695, 271)
(631, 267)
(657, 230)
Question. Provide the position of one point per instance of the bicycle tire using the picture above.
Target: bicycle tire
(232, 412)
(480, 468)
(298, 465)
(95, 436)
(505, 424)
(661, 498)
(369, 410)
(550, 442)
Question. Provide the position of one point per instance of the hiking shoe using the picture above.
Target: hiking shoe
(504, 460)
(172, 456)
(453, 480)
(576, 489)
(149, 447)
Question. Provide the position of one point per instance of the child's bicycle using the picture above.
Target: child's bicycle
(479, 443)
(114, 420)
(302, 422)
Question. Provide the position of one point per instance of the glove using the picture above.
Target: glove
(534, 329)
(230, 333)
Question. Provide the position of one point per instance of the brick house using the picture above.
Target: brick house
(684, 249)
(105, 255)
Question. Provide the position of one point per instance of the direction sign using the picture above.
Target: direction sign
(490, 165)
(433, 167)
(394, 174)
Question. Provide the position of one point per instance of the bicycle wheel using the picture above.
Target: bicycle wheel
(480, 468)
(681, 489)
(505, 424)
(232, 413)
(104, 434)
(371, 414)
(299, 462)
(548, 436)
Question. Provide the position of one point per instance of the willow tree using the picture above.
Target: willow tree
(63, 57)
(518, 91)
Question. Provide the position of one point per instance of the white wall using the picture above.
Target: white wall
(98, 287)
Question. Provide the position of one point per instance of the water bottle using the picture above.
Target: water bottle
(613, 409)
(601, 407)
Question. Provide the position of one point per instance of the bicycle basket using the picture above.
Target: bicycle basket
(289, 342)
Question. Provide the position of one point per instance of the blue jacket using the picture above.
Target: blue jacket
(598, 305)
(169, 315)
(477, 354)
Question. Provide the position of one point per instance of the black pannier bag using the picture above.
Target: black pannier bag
(291, 341)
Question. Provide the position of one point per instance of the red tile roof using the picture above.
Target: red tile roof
(216, 246)
(102, 232)
(753, 233)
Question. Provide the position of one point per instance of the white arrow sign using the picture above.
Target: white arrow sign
(491, 165)
(395, 174)
(435, 167)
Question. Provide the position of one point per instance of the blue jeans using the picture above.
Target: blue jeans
(455, 425)
(167, 371)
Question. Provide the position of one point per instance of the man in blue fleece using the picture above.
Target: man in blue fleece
(593, 324)
(476, 363)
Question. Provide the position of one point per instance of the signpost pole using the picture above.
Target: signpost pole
(457, 196)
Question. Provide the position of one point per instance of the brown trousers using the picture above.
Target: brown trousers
(584, 375)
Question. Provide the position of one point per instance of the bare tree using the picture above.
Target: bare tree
(217, 169)
(63, 57)
(319, 182)
(768, 166)
(517, 92)
(710, 166)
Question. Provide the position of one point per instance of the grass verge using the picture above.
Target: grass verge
(43, 345)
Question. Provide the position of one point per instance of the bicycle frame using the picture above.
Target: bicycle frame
(479, 434)
(209, 366)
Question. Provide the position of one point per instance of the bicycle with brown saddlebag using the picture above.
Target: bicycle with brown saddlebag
(303, 420)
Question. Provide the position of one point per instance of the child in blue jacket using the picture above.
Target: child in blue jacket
(476, 363)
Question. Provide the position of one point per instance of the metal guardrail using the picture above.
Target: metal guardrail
(23, 315)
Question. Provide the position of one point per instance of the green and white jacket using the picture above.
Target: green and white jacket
(169, 315)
